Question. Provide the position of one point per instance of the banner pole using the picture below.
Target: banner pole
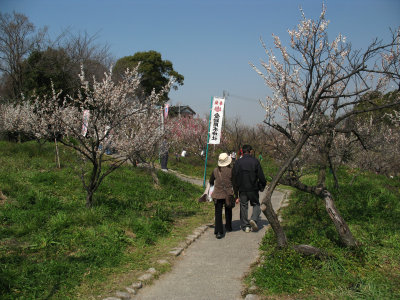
(208, 137)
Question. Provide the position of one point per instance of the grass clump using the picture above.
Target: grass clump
(53, 247)
(371, 207)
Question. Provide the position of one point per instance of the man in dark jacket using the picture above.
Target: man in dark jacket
(248, 180)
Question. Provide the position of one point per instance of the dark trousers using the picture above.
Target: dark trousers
(219, 203)
(164, 161)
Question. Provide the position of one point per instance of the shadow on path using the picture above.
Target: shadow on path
(212, 268)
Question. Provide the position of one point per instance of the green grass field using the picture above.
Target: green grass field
(53, 247)
(371, 207)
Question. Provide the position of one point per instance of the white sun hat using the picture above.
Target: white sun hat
(224, 160)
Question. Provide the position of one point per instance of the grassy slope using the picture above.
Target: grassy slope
(371, 207)
(52, 246)
(192, 165)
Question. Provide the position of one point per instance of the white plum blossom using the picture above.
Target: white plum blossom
(117, 119)
(316, 87)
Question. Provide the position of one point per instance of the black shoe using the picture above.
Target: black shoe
(228, 228)
(219, 235)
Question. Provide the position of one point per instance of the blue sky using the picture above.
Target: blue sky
(210, 42)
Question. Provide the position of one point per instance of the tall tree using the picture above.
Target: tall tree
(315, 84)
(60, 63)
(82, 48)
(42, 68)
(18, 38)
(154, 72)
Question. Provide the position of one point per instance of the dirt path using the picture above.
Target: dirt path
(212, 268)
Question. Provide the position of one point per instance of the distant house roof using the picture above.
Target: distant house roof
(181, 110)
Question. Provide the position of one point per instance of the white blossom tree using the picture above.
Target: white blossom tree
(315, 86)
(104, 115)
(13, 117)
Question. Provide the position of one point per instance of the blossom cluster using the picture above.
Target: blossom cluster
(104, 113)
(187, 133)
(316, 85)
(318, 81)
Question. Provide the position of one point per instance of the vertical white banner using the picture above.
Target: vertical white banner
(217, 114)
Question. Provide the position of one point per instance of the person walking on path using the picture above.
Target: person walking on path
(164, 154)
(248, 180)
(221, 178)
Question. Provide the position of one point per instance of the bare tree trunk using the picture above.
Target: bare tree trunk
(93, 180)
(341, 226)
(334, 174)
(89, 199)
(90, 189)
(57, 154)
(272, 217)
(266, 205)
(322, 176)
(343, 230)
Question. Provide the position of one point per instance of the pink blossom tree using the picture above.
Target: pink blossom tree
(187, 133)
(315, 86)
(191, 134)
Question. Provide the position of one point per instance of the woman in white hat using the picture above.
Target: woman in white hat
(222, 195)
